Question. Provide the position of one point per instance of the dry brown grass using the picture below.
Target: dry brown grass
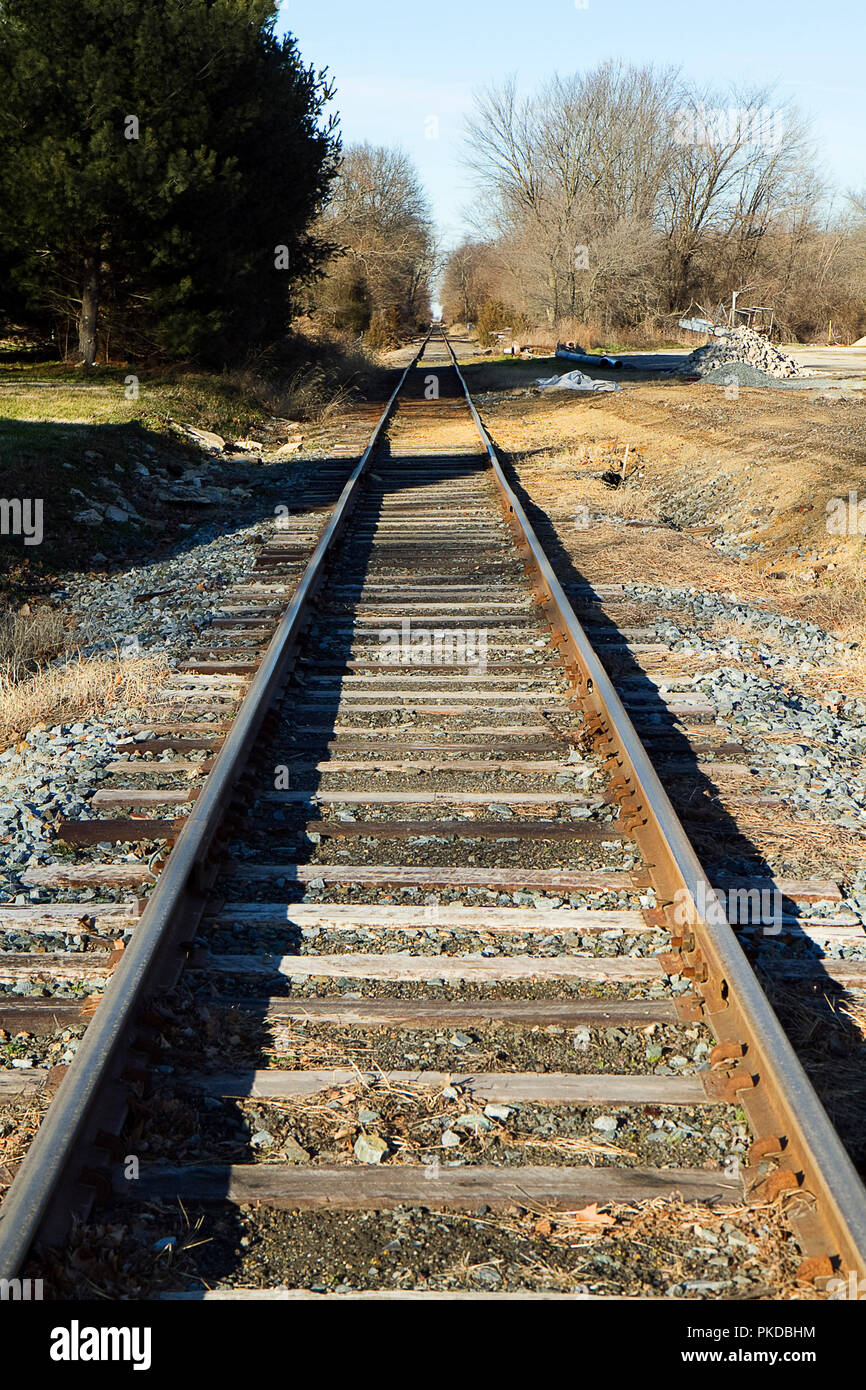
(310, 394)
(322, 381)
(778, 833)
(827, 1031)
(19, 1121)
(560, 483)
(593, 336)
(29, 637)
(841, 608)
(80, 689)
(762, 467)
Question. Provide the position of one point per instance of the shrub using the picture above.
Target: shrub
(384, 330)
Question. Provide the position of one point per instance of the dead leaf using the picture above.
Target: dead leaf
(591, 1216)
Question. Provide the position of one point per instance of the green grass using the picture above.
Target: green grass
(618, 349)
(66, 431)
(63, 429)
(53, 393)
(508, 373)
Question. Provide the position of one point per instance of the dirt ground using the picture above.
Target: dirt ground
(737, 488)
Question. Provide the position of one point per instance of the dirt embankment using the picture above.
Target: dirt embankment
(755, 491)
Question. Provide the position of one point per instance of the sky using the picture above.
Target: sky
(406, 70)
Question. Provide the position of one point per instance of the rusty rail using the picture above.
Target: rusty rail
(89, 1106)
(795, 1144)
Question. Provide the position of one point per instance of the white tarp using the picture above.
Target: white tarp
(575, 381)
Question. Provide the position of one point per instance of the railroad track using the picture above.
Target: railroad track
(429, 932)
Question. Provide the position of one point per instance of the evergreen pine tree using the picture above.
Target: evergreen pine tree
(163, 157)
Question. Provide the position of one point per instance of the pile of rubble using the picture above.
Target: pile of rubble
(740, 345)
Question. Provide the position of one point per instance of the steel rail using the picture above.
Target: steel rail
(74, 1116)
(791, 1124)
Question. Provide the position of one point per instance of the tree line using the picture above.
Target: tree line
(625, 196)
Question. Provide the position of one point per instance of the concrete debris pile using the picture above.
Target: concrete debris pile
(574, 381)
(740, 345)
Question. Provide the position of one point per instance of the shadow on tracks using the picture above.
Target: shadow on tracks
(298, 740)
(302, 739)
(825, 1022)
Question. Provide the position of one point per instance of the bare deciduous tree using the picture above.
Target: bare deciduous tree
(473, 273)
(736, 162)
(380, 223)
(625, 194)
(568, 170)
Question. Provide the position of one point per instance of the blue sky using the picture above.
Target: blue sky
(401, 65)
